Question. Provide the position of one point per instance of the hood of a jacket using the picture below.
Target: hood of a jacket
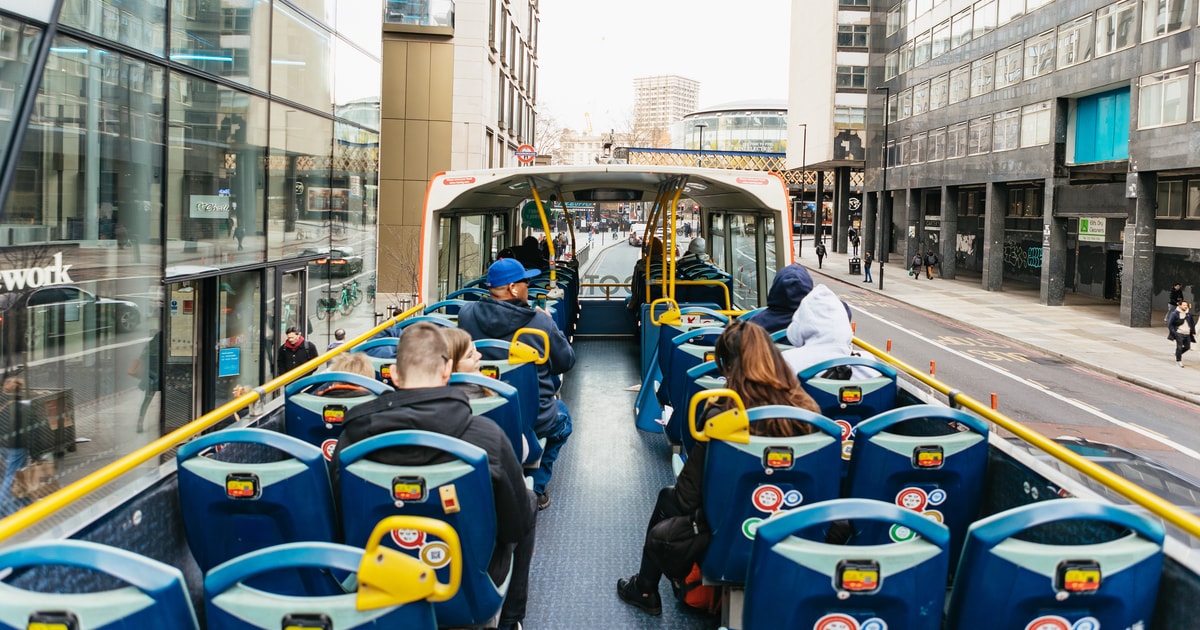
(791, 285)
(821, 321)
(443, 410)
(500, 320)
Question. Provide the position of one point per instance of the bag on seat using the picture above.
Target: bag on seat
(692, 591)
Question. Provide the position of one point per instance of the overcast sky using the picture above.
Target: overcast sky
(589, 53)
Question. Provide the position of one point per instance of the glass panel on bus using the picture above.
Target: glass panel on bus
(769, 256)
(499, 229)
(716, 232)
(470, 236)
(443, 278)
(743, 262)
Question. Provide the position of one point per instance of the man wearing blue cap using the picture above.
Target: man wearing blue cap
(498, 316)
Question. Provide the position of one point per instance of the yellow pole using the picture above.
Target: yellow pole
(545, 230)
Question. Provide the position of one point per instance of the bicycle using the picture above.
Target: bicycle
(371, 290)
(347, 299)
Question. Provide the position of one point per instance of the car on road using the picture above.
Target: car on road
(337, 261)
(51, 316)
(636, 232)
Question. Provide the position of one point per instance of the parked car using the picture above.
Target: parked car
(636, 231)
(338, 261)
(51, 316)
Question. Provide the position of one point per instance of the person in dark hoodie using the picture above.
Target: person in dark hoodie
(294, 352)
(424, 401)
(791, 284)
(498, 316)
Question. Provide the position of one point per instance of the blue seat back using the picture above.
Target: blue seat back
(232, 605)
(502, 407)
(681, 348)
(155, 595)
(523, 377)
(848, 402)
(699, 378)
(449, 308)
(1074, 583)
(797, 582)
(927, 458)
(469, 294)
(370, 491)
(382, 352)
(234, 507)
(746, 484)
(317, 419)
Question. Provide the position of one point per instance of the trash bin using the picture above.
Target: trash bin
(855, 265)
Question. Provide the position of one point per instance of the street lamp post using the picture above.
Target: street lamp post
(884, 209)
(700, 159)
(804, 179)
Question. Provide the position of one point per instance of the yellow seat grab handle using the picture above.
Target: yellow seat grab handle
(519, 352)
(732, 425)
(389, 577)
(670, 317)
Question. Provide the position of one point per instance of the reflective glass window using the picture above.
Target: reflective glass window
(744, 264)
(361, 22)
(941, 40)
(1075, 41)
(301, 60)
(979, 136)
(960, 29)
(323, 10)
(299, 169)
(1036, 124)
(230, 40)
(140, 25)
(905, 104)
(956, 140)
(1169, 200)
(937, 145)
(18, 45)
(984, 19)
(921, 98)
(1009, 10)
(1005, 130)
(939, 91)
(917, 148)
(921, 50)
(357, 83)
(960, 84)
(981, 75)
(1162, 97)
(1162, 17)
(1115, 27)
(218, 139)
(1008, 66)
(1039, 55)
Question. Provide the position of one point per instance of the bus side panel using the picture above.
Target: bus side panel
(1178, 592)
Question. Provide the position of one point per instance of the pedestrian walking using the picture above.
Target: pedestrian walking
(866, 261)
(1175, 298)
(820, 254)
(931, 259)
(1182, 329)
(915, 268)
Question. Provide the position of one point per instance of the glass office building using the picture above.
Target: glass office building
(183, 181)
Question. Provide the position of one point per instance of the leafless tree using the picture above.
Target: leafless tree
(548, 137)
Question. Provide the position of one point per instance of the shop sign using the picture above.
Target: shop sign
(35, 277)
(1091, 229)
(208, 207)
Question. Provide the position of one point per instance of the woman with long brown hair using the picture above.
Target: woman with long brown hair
(752, 367)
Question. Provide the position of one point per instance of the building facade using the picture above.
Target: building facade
(182, 182)
(827, 111)
(659, 102)
(1038, 141)
(458, 93)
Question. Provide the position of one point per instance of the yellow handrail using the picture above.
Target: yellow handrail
(1159, 506)
(33, 514)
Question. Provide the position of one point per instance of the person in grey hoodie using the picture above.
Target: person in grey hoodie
(820, 330)
(498, 316)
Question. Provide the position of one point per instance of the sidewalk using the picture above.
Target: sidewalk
(1085, 330)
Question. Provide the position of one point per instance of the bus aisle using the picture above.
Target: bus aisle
(604, 487)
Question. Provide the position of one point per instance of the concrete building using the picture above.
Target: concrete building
(459, 92)
(1040, 141)
(660, 101)
(827, 111)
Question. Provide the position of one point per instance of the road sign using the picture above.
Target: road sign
(525, 154)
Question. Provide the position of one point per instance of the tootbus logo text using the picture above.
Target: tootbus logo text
(35, 277)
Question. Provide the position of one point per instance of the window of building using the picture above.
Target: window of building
(138, 25)
(852, 35)
(1006, 128)
(921, 98)
(903, 149)
(1161, 98)
(849, 117)
(854, 3)
(960, 84)
(979, 136)
(1169, 200)
(301, 59)
(852, 77)
(937, 145)
(1039, 55)
(1025, 202)
(956, 140)
(905, 104)
(1163, 17)
(893, 20)
(921, 49)
(891, 65)
(1036, 124)
(1009, 10)
(906, 57)
(1196, 105)
(960, 28)
(891, 154)
(985, 18)
(939, 91)
(1008, 66)
(1032, 5)
(982, 73)
(941, 40)
(1193, 200)
(917, 148)
(1075, 41)
(1115, 27)
(893, 107)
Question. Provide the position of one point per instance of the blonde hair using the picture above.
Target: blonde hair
(354, 363)
(459, 342)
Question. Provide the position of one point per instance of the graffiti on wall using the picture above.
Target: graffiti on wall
(1019, 257)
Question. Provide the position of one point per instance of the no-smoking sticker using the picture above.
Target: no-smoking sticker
(327, 448)
(408, 538)
(913, 499)
(767, 498)
(836, 622)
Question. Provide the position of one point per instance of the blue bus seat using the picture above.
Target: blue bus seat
(233, 507)
(927, 458)
(748, 481)
(469, 294)
(316, 418)
(233, 605)
(682, 348)
(154, 594)
(382, 352)
(497, 364)
(797, 582)
(449, 307)
(503, 407)
(699, 378)
(848, 402)
(371, 491)
(1075, 582)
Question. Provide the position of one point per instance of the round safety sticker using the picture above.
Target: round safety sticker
(327, 448)
(836, 622)
(937, 496)
(913, 499)
(435, 554)
(408, 538)
(793, 498)
(1049, 622)
(934, 515)
(750, 527)
(874, 623)
(900, 533)
(767, 498)
(847, 449)
(845, 428)
(1087, 623)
